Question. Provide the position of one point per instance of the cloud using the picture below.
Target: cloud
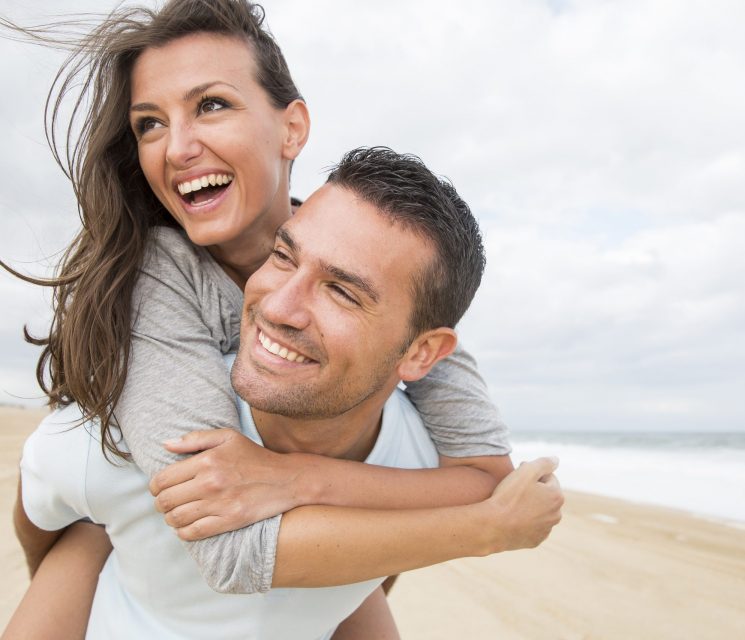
(653, 323)
(601, 144)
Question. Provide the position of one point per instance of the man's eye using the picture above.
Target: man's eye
(280, 255)
(344, 294)
(208, 104)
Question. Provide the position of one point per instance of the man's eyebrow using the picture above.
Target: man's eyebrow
(356, 280)
(285, 236)
(190, 95)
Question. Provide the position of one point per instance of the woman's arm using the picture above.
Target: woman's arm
(323, 546)
(186, 314)
(58, 602)
(234, 482)
(459, 414)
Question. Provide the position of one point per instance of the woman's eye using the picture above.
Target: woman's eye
(208, 105)
(143, 125)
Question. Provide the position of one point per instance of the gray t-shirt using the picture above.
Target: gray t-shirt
(186, 315)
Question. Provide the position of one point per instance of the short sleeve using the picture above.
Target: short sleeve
(53, 470)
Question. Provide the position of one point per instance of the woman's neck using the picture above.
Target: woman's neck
(243, 255)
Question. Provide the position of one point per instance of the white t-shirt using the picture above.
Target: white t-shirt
(150, 587)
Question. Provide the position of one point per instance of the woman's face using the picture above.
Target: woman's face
(212, 146)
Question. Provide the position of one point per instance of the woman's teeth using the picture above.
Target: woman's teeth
(278, 350)
(212, 180)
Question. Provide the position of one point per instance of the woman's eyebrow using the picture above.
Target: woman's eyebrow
(190, 95)
(197, 91)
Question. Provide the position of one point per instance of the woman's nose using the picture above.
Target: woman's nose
(183, 146)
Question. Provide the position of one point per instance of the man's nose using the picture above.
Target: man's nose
(289, 304)
(183, 146)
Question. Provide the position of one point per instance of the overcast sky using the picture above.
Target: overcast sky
(601, 144)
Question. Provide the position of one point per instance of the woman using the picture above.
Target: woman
(110, 341)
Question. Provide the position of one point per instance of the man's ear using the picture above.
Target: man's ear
(297, 129)
(425, 352)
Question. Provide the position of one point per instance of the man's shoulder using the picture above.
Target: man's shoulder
(403, 440)
(54, 468)
(64, 424)
(64, 436)
(400, 409)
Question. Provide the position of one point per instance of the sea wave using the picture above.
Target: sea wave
(707, 479)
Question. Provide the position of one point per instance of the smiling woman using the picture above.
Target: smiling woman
(181, 196)
(198, 111)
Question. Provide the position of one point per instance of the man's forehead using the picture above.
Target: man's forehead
(343, 231)
(339, 214)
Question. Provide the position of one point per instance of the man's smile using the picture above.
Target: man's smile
(280, 350)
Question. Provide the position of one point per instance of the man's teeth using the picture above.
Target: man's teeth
(213, 179)
(278, 350)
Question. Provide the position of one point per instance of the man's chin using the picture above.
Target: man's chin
(245, 380)
(265, 392)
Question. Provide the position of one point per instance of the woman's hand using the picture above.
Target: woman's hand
(524, 507)
(228, 484)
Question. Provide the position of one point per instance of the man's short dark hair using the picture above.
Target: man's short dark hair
(403, 189)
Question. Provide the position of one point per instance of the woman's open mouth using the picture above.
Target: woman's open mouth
(200, 191)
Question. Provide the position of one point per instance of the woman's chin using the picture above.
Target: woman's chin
(208, 235)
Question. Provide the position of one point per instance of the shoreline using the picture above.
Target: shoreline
(612, 569)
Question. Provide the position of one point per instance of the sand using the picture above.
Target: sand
(611, 570)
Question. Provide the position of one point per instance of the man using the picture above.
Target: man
(363, 289)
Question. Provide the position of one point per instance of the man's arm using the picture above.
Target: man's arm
(58, 602)
(35, 542)
(372, 620)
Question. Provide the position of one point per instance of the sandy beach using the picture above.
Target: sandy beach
(611, 570)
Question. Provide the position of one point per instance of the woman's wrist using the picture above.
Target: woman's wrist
(486, 533)
(310, 484)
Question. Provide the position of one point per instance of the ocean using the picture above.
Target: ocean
(702, 473)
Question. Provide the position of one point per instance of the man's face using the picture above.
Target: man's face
(326, 319)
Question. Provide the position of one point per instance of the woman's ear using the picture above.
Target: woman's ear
(425, 352)
(297, 129)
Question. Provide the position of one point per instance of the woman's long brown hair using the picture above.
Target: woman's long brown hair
(84, 358)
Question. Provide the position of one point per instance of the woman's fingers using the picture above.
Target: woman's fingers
(186, 514)
(173, 475)
(203, 528)
(178, 495)
(198, 440)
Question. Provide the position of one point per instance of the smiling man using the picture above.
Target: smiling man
(334, 322)
(362, 290)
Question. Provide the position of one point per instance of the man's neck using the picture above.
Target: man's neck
(350, 436)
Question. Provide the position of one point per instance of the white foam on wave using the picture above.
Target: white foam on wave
(708, 482)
